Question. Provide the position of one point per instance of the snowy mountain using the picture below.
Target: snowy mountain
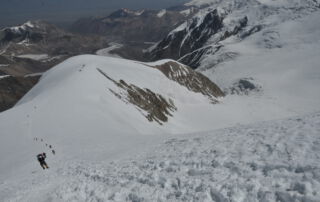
(265, 51)
(101, 104)
(126, 130)
(91, 97)
(224, 22)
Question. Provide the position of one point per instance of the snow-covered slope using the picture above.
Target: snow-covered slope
(267, 161)
(265, 51)
(95, 103)
(282, 60)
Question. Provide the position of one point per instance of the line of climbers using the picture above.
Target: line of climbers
(42, 156)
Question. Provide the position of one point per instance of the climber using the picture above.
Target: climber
(41, 158)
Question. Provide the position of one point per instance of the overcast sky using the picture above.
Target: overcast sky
(18, 11)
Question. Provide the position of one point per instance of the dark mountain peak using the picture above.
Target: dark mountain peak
(190, 36)
(188, 42)
(34, 31)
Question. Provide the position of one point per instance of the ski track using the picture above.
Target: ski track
(267, 161)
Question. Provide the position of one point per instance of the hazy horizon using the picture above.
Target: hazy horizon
(13, 12)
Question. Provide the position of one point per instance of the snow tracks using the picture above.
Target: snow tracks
(268, 161)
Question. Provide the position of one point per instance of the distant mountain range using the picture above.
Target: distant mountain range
(28, 50)
(135, 25)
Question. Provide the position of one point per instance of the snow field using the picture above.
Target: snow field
(267, 161)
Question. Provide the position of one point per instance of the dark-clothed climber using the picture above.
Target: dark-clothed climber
(41, 158)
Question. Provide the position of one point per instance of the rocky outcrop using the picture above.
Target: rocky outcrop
(192, 37)
(192, 80)
(156, 107)
(151, 105)
(244, 86)
(189, 42)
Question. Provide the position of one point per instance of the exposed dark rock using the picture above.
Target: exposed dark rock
(193, 37)
(4, 60)
(189, 45)
(244, 86)
(157, 107)
(12, 89)
(192, 80)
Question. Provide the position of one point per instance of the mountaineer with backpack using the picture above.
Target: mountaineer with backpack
(41, 158)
